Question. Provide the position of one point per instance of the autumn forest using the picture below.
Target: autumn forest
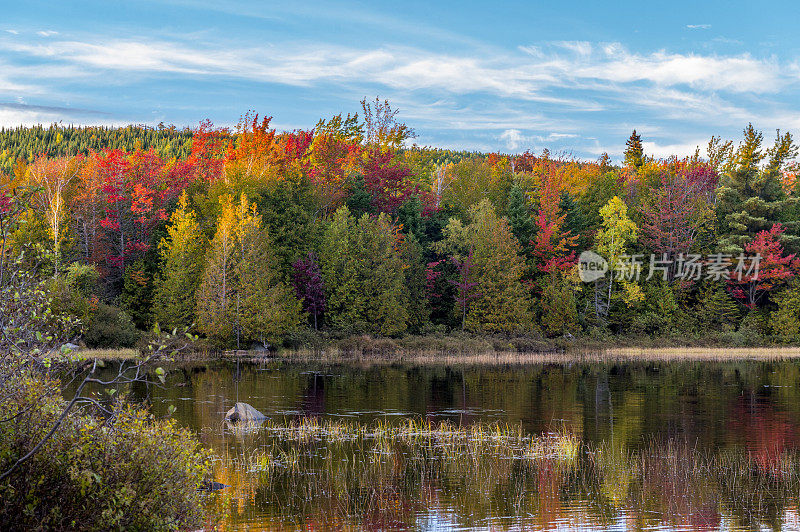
(249, 236)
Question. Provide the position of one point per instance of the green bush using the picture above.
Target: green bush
(756, 326)
(649, 323)
(110, 327)
(785, 321)
(83, 278)
(305, 338)
(128, 472)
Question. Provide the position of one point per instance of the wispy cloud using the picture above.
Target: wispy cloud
(698, 26)
(680, 149)
(531, 95)
(52, 109)
(13, 116)
(513, 138)
(576, 65)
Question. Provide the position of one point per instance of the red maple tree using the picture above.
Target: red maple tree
(386, 180)
(676, 213)
(551, 245)
(135, 189)
(774, 268)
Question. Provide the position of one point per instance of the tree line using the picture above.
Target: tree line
(252, 235)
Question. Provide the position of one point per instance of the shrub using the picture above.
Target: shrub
(129, 472)
(785, 321)
(559, 313)
(305, 338)
(648, 323)
(110, 327)
(83, 278)
(755, 325)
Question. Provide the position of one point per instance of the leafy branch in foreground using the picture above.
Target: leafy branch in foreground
(100, 461)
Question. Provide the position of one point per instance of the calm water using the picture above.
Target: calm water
(678, 446)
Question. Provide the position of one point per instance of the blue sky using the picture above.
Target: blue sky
(574, 76)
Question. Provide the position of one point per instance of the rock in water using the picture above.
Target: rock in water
(243, 413)
(257, 347)
(211, 485)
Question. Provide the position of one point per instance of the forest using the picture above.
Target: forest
(250, 236)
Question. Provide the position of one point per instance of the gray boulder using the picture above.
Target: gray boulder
(212, 485)
(258, 347)
(244, 413)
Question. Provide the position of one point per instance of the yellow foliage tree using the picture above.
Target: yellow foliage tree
(241, 296)
(51, 177)
(612, 239)
(181, 268)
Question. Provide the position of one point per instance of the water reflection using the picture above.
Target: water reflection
(695, 446)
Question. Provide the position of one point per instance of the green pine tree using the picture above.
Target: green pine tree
(785, 322)
(359, 200)
(363, 269)
(751, 198)
(419, 310)
(574, 221)
(286, 210)
(717, 307)
(520, 216)
(502, 303)
(559, 309)
(634, 151)
(267, 307)
(242, 297)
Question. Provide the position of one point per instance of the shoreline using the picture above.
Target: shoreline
(493, 357)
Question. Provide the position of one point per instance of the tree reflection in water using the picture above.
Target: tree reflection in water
(660, 445)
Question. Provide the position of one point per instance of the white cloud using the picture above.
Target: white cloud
(582, 48)
(534, 76)
(683, 149)
(545, 93)
(698, 26)
(513, 138)
(21, 116)
(46, 33)
(7, 86)
(741, 73)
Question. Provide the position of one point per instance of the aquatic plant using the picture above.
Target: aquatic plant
(342, 473)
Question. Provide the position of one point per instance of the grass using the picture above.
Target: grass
(110, 353)
(703, 353)
(452, 439)
(462, 348)
(621, 354)
(344, 474)
(613, 354)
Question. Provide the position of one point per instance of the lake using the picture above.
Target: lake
(672, 446)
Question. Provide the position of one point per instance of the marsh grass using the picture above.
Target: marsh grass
(384, 474)
(110, 354)
(492, 348)
(345, 474)
(485, 358)
(123, 354)
(713, 354)
(476, 350)
(621, 354)
(683, 484)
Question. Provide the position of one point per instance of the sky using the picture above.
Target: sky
(573, 77)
